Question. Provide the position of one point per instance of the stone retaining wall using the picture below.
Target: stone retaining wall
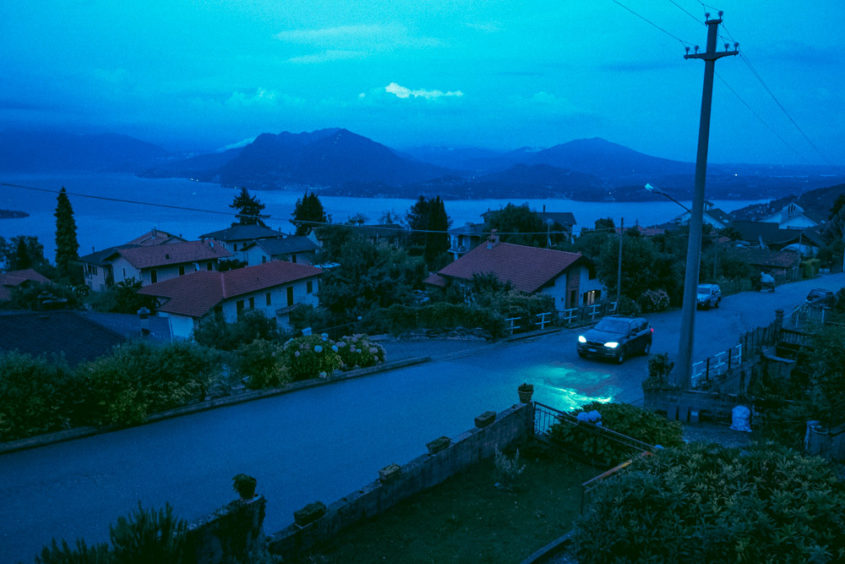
(446, 457)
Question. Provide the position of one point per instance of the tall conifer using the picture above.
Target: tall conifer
(67, 247)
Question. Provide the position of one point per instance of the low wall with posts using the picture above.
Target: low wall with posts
(316, 523)
(229, 534)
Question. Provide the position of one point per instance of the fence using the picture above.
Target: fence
(586, 314)
(546, 417)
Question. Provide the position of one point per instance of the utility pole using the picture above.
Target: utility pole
(710, 56)
(619, 268)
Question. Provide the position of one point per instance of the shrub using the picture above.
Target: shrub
(654, 300)
(215, 332)
(311, 356)
(63, 553)
(627, 306)
(659, 368)
(356, 351)
(148, 536)
(508, 469)
(140, 378)
(263, 364)
(641, 424)
(705, 503)
(34, 395)
(398, 319)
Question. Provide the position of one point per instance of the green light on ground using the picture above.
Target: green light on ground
(567, 388)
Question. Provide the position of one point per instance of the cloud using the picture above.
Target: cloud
(236, 145)
(404, 92)
(261, 97)
(328, 56)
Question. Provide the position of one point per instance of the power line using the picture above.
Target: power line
(651, 23)
(760, 118)
(783, 109)
(684, 10)
(398, 228)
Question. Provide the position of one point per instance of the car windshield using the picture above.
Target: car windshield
(704, 289)
(612, 325)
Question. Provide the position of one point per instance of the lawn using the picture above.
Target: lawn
(469, 519)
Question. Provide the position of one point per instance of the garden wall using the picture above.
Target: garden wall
(317, 523)
(233, 531)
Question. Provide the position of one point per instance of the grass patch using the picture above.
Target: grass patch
(469, 519)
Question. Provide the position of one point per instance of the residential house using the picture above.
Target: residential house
(158, 263)
(568, 277)
(463, 239)
(391, 234)
(769, 235)
(793, 216)
(239, 237)
(713, 216)
(291, 248)
(781, 264)
(273, 288)
(97, 267)
(19, 278)
(559, 222)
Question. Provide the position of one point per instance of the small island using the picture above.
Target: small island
(12, 214)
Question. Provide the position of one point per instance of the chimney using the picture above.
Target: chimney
(493, 240)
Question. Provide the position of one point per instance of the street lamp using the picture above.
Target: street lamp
(654, 190)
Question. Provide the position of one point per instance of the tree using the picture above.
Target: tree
(249, 208)
(67, 247)
(308, 214)
(429, 225)
(24, 251)
(520, 225)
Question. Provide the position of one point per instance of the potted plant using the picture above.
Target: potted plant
(525, 390)
(244, 485)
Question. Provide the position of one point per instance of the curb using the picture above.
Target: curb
(82, 432)
(552, 549)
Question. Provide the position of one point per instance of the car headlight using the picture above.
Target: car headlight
(582, 339)
(611, 344)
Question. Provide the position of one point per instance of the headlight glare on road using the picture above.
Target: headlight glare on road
(611, 344)
(582, 339)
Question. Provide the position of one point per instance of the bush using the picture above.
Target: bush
(140, 378)
(34, 395)
(311, 356)
(659, 368)
(356, 351)
(641, 424)
(705, 503)
(653, 301)
(398, 319)
(148, 536)
(63, 553)
(263, 364)
(215, 332)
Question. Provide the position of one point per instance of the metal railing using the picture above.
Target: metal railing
(716, 365)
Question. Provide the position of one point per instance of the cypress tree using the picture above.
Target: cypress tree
(67, 247)
(308, 213)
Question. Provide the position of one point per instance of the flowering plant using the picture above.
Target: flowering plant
(311, 356)
(356, 351)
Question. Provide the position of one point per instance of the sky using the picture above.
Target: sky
(204, 75)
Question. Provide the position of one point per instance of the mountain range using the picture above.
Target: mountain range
(340, 162)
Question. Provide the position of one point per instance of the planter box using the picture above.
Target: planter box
(485, 419)
(437, 445)
(389, 473)
(309, 513)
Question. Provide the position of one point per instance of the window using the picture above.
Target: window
(252, 303)
(269, 300)
(181, 270)
(293, 259)
(309, 286)
(234, 246)
(240, 307)
(591, 297)
(210, 266)
(290, 295)
(263, 259)
(153, 276)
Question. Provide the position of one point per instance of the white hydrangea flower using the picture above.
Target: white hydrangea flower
(318, 348)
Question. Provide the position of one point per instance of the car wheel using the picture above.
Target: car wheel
(581, 354)
(620, 356)
(647, 348)
(717, 303)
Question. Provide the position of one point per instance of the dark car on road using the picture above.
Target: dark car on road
(616, 337)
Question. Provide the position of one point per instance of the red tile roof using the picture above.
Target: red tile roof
(173, 253)
(527, 268)
(197, 293)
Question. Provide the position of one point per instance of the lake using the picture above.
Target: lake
(199, 208)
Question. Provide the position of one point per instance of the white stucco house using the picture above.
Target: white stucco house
(292, 248)
(273, 288)
(238, 238)
(568, 277)
(792, 216)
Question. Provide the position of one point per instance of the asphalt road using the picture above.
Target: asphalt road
(322, 443)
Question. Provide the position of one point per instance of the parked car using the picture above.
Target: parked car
(708, 295)
(616, 337)
(821, 298)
